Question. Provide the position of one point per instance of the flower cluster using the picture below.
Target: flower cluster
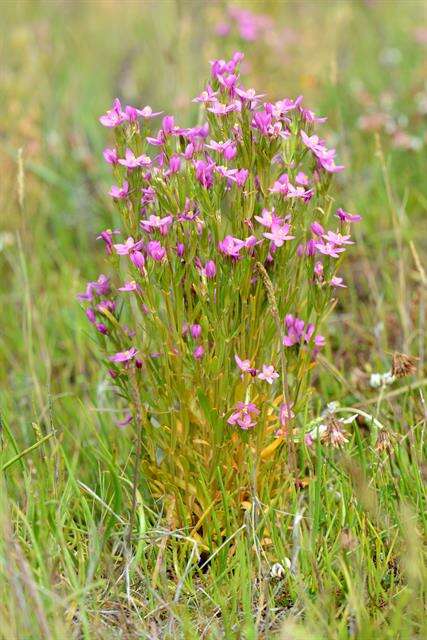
(221, 252)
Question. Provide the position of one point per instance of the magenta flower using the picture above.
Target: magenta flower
(244, 365)
(174, 164)
(318, 270)
(312, 142)
(231, 246)
(130, 161)
(301, 179)
(204, 173)
(221, 109)
(128, 247)
(228, 148)
(281, 185)
(207, 96)
(124, 356)
(348, 217)
(249, 95)
(286, 414)
(119, 193)
(283, 106)
(137, 259)
(268, 373)
(195, 331)
(115, 116)
(146, 113)
(90, 314)
(198, 352)
(268, 218)
(107, 236)
(225, 172)
(329, 249)
(317, 228)
(110, 156)
(337, 282)
(242, 415)
(298, 333)
(130, 286)
(106, 305)
(101, 327)
(156, 251)
(327, 161)
(297, 192)
(209, 270)
(241, 176)
(155, 222)
(279, 234)
(337, 238)
(126, 420)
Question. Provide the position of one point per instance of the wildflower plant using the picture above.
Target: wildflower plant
(223, 273)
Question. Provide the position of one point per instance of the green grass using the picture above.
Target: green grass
(353, 523)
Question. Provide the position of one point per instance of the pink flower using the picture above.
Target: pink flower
(209, 270)
(318, 271)
(130, 161)
(100, 287)
(101, 328)
(337, 282)
(110, 156)
(301, 179)
(312, 142)
(221, 109)
(204, 173)
(225, 172)
(198, 352)
(146, 113)
(244, 365)
(281, 185)
(286, 414)
(115, 116)
(107, 236)
(279, 234)
(348, 217)
(137, 259)
(329, 249)
(268, 218)
(298, 333)
(242, 415)
(155, 222)
(130, 286)
(156, 251)
(119, 193)
(195, 331)
(124, 356)
(126, 420)
(268, 373)
(231, 246)
(317, 228)
(127, 247)
(207, 96)
(337, 238)
(241, 176)
(249, 95)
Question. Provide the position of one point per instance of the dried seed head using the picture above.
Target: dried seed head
(334, 433)
(383, 442)
(403, 365)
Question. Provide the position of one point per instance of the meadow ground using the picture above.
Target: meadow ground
(352, 524)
